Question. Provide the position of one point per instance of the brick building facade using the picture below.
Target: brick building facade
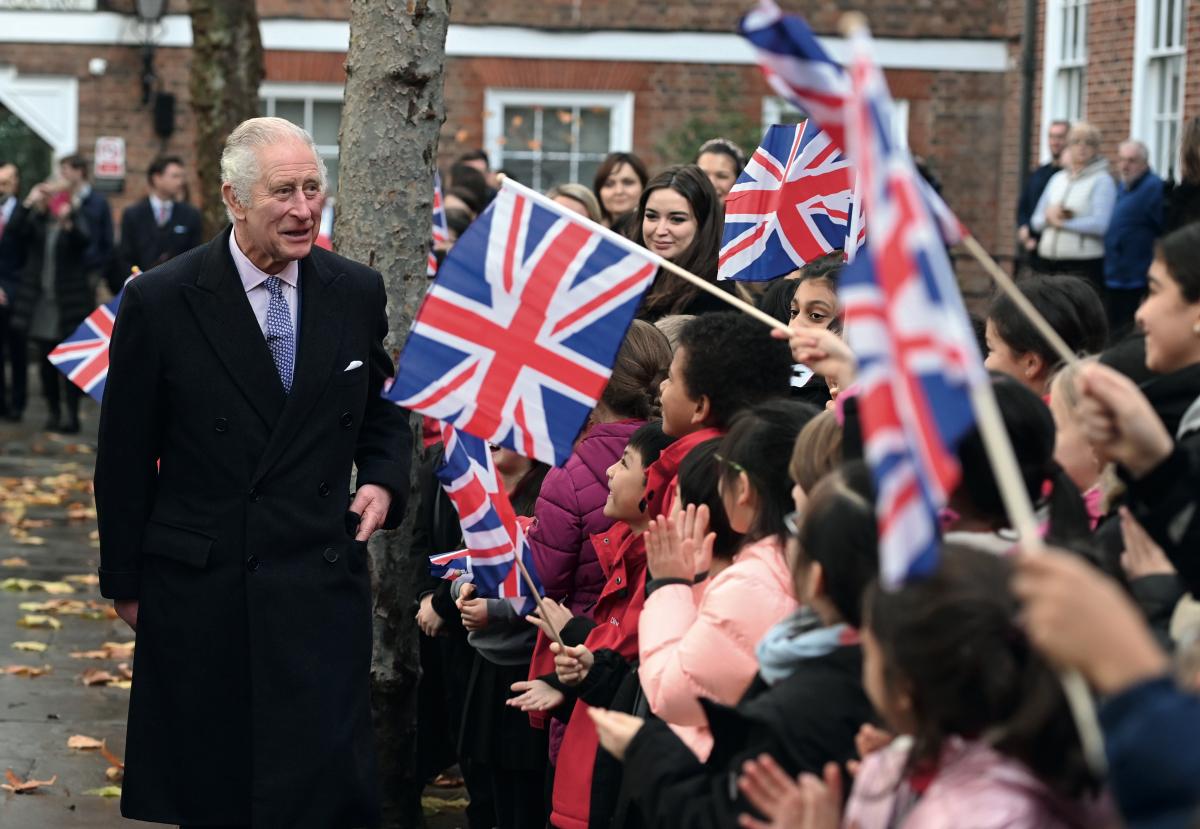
(629, 74)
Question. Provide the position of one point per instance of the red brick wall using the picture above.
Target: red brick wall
(1111, 29)
(112, 104)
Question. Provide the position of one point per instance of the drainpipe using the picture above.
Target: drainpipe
(1028, 71)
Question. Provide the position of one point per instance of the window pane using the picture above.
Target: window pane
(554, 173)
(594, 129)
(587, 172)
(519, 129)
(557, 129)
(291, 110)
(520, 169)
(327, 120)
(262, 107)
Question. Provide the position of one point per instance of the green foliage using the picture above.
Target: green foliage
(679, 146)
(23, 147)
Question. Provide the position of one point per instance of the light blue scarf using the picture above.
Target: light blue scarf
(798, 637)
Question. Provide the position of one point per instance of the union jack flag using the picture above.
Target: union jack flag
(798, 69)
(790, 205)
(83, 356)
(907, 324)
(491, 531)
(441, 231)
(515, 340)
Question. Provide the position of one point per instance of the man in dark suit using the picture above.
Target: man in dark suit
(12, 257)
(244, 383)
(160, 226)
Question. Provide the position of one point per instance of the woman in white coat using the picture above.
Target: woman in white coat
(1075, 209)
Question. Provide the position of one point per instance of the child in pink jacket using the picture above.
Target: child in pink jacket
(987, 740)
(699, 629)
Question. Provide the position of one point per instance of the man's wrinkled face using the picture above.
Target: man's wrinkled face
(284, 215)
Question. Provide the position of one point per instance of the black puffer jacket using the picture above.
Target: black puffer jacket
(805, 721)
(70, 287)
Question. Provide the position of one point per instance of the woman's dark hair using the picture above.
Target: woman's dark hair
(1177, 250)
(458, 220)
(1031, 429)
(626, 225)
(649, 442)
(723, 146)
(469, 197)
(699, 483)
(610, 163)
(525, 494)
(670, 293)
(469, 178)
(733, 360)
(777, 299)
(1068, 303)
(760, 441)
(952, 643)
(839, 533)
(827, 267)
(642, 364)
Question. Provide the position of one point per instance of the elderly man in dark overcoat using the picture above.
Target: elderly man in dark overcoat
(244, 386)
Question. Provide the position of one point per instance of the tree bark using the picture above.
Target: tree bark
(227, 70)
(393, 112)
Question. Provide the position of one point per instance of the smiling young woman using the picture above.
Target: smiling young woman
(681, 219)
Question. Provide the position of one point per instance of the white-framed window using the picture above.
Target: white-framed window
(548, 137)
(776, 110)
(317, 107)
(1064, 64)
(1159, 55)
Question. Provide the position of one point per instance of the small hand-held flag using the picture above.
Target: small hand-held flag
(441, 231)
(83, 356)
(906, 323)
(798, 68)
(516, 338)
(791, 205)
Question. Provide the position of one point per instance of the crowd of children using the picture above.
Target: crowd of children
(729, 657)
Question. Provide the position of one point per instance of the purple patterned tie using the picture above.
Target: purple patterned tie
(281, 337)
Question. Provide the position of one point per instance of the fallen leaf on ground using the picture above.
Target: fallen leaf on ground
(79, 512)
(113, 773)
(14, 562)
(80, 741)
(107, 791)
(14, 783)
(35, 540)
(36, 647)
(94, 535)
(123, 684)
(35, 523)
(27, 670)
(433, 805)
(110, 757)
(119, 650)
(95, 676)
(31, 585)
(39, 621)
(86, 578)
(124, 670)
(90, 654)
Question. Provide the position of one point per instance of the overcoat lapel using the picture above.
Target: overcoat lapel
(321, 311)
(228, 322)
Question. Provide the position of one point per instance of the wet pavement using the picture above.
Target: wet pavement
(47, 520)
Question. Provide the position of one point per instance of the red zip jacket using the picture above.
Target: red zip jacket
(616, 614)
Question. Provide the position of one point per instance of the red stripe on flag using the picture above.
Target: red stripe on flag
(617, 290)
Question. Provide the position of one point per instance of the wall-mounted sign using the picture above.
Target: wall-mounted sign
(110, 164)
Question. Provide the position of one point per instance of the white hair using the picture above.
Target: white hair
(239, 161)
(1142, 150)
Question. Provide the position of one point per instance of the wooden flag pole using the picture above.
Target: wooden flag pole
(537, 597)
(634, 247)
(1022, 302)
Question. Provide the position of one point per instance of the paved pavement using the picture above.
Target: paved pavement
(43, 477)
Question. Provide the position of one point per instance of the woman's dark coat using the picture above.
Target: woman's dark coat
(70, 286)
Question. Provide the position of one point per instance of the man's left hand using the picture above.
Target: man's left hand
(372, 502)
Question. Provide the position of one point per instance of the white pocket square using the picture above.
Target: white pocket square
(353, 365)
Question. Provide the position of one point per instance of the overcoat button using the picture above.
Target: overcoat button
(331, 555)
(252, 563)
(253, 494)
(323, 490)
(221, 424)
(347, 419)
